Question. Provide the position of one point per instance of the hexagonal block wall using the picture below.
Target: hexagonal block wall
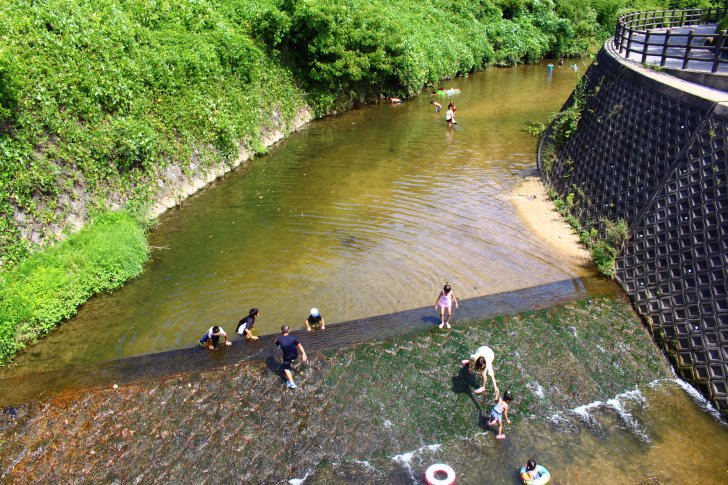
(657, 157)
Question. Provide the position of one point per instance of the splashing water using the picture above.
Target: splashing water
(405, 459)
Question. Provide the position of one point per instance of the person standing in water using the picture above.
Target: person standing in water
(450, 116)
(438, 106)
(245, 326)
(315, 320)
(290, 346)
(499, 411)
(444, 301)
(212, 337)
(482, 361)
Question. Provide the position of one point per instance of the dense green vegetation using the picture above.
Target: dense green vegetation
(48, 286)
(98, 97)
(100, 94)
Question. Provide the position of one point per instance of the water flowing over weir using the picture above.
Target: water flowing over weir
(382, 412)
(21, 388)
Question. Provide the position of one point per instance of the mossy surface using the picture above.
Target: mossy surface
(367, 403)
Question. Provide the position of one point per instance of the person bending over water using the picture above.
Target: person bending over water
(245, 326)
(315, 320)
(444, 301)
(499, 411)
(438, 106)
(212, 337)
(482, 361)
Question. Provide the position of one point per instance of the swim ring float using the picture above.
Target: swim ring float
(440, 474)
(543, 475)
(448, 92)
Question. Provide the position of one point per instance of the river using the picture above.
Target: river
(360, 214)
(367, 213)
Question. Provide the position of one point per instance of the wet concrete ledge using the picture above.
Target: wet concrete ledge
(45, 385)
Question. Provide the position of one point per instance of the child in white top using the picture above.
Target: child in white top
(482, 360)
(212, 337)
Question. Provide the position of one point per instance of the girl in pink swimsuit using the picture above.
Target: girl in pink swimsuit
(444, 301)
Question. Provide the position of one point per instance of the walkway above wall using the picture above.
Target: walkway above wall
(683, 43)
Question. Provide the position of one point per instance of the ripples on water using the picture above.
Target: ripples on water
(360, 214)
(641, 436)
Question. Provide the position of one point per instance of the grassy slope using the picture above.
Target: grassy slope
(48, 286)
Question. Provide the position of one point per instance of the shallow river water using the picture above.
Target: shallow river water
(361, 214)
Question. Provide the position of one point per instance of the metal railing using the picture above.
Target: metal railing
(650, 35)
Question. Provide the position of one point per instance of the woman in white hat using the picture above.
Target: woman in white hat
(314, 320)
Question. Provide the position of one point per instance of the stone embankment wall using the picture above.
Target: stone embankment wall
(653, 150)
(166, 186)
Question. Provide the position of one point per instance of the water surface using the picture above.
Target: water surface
(361, 214)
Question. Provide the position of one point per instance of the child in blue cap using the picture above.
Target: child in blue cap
(314, 320)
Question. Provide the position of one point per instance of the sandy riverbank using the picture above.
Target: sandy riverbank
(538, 213)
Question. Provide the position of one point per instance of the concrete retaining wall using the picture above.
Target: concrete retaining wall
(653, 150)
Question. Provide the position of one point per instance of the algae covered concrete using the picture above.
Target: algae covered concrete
(357, 407)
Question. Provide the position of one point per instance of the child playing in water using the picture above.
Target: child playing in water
(450, 117)
(245, 326)
(444, 301)
(314, 320)
(499, 410)
(212, 337)
(530, 474)
(482, 360)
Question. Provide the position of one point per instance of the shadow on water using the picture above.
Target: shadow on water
(464, 383)
(21, 388)
(274, 366)
(431, 320)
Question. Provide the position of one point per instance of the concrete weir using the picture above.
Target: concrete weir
(46, 385)
(652, 149)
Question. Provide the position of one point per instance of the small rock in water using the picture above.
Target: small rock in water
(115, 386)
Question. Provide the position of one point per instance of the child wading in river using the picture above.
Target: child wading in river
(499, 411)
(482, 361)
(444, 301)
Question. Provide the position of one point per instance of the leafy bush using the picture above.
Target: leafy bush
(722, 25)
(605, 245)
(49, 286)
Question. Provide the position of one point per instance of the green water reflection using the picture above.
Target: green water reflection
(360, 214)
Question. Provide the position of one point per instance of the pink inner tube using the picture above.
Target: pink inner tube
(440, 474)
